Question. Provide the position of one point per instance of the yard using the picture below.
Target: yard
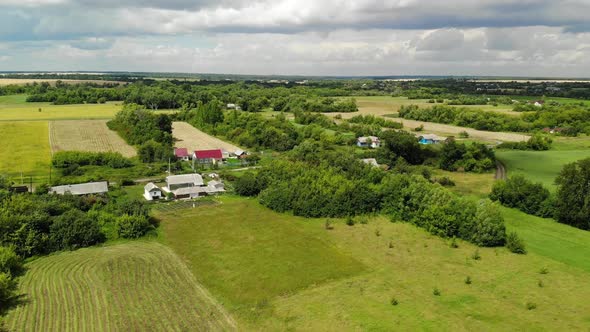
(86, 135)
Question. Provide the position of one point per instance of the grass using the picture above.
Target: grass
(551, 239)
(25, 148)
(247, 255)
(544, 166)
(18, 111)
(278, 272)
(134, 286)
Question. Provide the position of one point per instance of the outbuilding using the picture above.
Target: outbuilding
(90, 188)
(152, 192)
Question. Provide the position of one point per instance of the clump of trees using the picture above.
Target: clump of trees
(373, 120)
(151, 132)
(536, 143)
(571, 203)
(475, 157)
(520, 193)
(64, 159)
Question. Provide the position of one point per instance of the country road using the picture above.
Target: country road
(500, 171)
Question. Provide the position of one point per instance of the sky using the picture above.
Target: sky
(533, 38)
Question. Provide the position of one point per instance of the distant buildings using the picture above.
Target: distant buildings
(368, 142)
(431, 139)
(181, 154)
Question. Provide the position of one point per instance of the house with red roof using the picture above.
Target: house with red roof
(181, 154)
(208, 156)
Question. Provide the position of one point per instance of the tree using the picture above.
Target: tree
(573, 194)
(401, 144)
(74, 229)
(132, 226)
(521, 193)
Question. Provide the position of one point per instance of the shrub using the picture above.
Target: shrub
(350, 221)
(132, 226)
(531, 305)
(445, 181)
(463, 134)
(468, 280)
(8, 287)
(419, 128)
(515, 244)
(10, 262)
(453, 244)
(74, 229)
(328, 225)
(544, 270)
(247, 185)
(521, 193)
(540, 284)
(436, 292)
(394, 301)
(476, 256)
(390, 244)
(377, 232)
(70, 160)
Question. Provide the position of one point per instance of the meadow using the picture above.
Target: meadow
(87, 135)
(134, 286)
(278, 272)
(25, 149)
(544, 166)
(12, 109)
(193, 139)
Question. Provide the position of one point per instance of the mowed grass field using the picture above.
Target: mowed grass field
(25, 148)
(277, 272)
(137, 286)
(544, 166)
(193, 139)
(87, 135)
(44, 111)
(23, 81)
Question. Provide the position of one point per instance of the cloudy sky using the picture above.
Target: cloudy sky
(307, 37)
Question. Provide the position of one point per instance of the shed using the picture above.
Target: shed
(152, 192)
(91, 188)
(181, 153)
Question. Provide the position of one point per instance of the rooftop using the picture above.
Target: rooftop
(194, 179)
(81, 188)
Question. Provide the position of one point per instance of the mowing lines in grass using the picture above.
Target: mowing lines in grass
(138, 286)
(86, 135)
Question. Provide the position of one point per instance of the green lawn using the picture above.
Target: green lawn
(25, 148)
(278, 272)
(549, 238)
(544, 166)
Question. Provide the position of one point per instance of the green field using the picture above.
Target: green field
(277, 272)
(25, 148)
(139, 286)
(14, 110)
(544, 166)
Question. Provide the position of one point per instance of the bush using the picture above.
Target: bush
(248, 185)
(71, 160)
(132, 226)
(476, 256)
(394, 301)
(8, 287)
(515, 244)
(544, 270)
(531, 306)
(463, 134)
(74, 229)
(468, 280)
(521, 193)
(350, 221)
(436, 292)
(10, 262)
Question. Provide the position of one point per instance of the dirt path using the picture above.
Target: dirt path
(500, 171)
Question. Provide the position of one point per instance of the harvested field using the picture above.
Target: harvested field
(138, 286)
(86, 135)
(191, 138)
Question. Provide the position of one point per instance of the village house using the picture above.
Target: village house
(431, 139)
(208, 156)
(91, 188)
(370, 141)
(152, 192)
(181, 154)
(370, 161)
(174, 182)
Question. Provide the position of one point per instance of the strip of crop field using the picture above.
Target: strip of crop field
(86, 135)
(193, 139)
(137, 286)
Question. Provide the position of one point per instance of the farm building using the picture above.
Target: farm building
(181, 154)
(152, 192)
(370, 161)
(174, 182)
(431, 139)
(190, 192)
(216, 186)
(91, 188)
(370, 141)
(240, 153)
(208, 156)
